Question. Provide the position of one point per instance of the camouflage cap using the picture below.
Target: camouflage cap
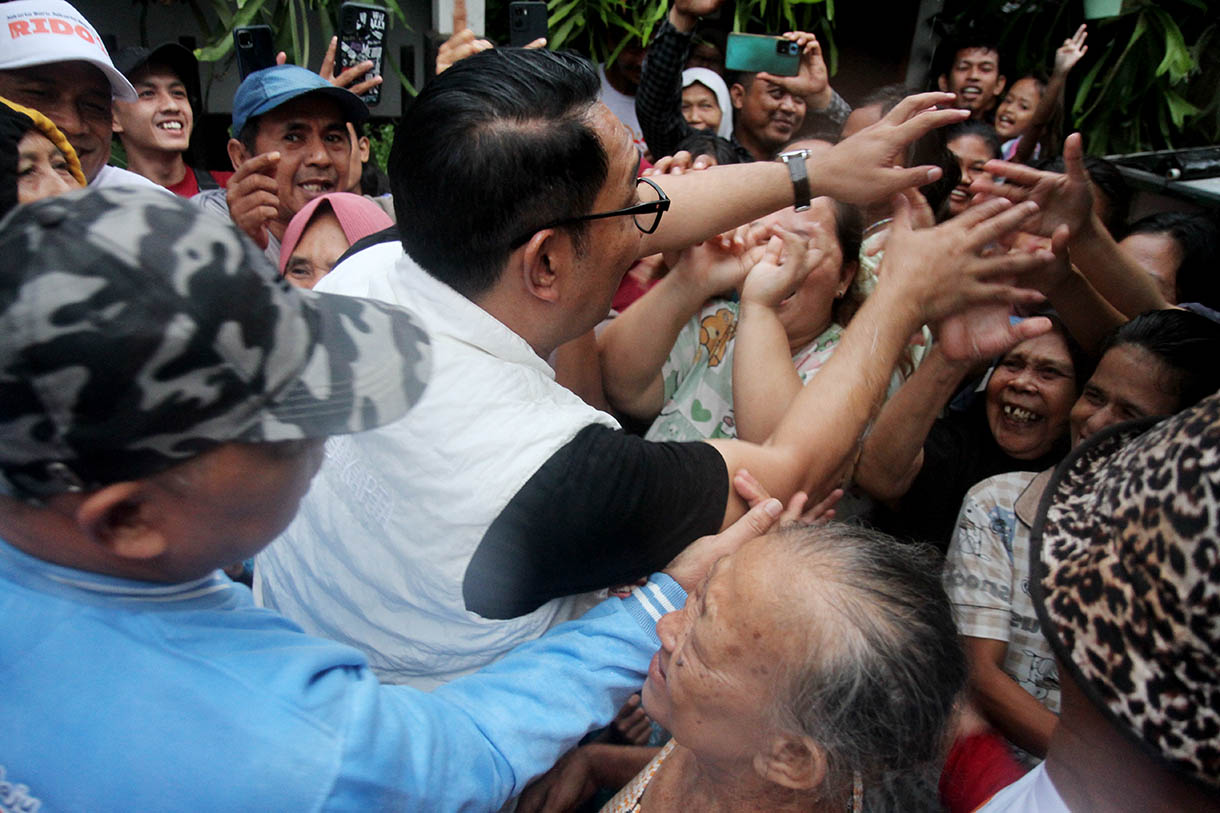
(139, 331)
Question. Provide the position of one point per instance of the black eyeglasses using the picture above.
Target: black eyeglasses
(647, 216)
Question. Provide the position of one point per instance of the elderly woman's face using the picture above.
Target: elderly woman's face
(710, 681)
(42, 170)
(1030, 395)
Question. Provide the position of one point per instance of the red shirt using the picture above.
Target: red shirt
(189, 186)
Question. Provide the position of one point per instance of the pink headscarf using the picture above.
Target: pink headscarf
(357, 215)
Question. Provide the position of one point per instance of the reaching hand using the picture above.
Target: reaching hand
(679, 163)
(347, 79)
(812, 81)
(252, 195)
(782, 269)
(861, 169)
(1071, 51)
(564, 787)
(717, 265)
(690, 566)
(951, 267)
(1065, 199)
(754, 492)
(461, 44)
(631, 723)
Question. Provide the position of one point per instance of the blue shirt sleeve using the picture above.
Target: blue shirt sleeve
(476, 742)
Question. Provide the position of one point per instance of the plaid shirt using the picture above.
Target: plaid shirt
(658, 102)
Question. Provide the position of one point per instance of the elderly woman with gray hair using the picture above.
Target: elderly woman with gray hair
(806, 672)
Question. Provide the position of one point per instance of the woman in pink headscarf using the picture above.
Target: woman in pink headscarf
(324, 229)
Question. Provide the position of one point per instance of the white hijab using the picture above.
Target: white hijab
(712, 81)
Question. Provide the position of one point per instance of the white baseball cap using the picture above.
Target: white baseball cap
(41, 32)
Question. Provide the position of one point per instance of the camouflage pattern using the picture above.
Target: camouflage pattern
(138, 332)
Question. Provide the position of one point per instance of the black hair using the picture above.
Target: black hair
(1107, 181)
(1185, 341)
(496, 145)
(931, 148)
(973, 127)
(964, 40)
(704, 143)
(1198, 237)
(888, 96)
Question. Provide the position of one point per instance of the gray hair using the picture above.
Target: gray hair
(882, 665)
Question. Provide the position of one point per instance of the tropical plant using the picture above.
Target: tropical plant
(291, 21)
(602, 28)
(1149, 80)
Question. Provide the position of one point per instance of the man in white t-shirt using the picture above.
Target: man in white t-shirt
(53, 60)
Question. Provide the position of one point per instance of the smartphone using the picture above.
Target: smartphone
(526, 23)
(254, 48)
(755, 52)
(361, 39)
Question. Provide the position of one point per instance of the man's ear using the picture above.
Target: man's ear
(364, 149)
(1000, 83)
(792, 762)
(121, 519)
(115, 126)
(942, 82)
(237, 153)
(544, 261)
(737, 95)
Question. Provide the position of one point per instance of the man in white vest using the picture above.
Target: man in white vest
(440, 541)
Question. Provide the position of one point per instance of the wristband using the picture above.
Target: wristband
(795, 161)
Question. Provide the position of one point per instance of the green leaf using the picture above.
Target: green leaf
(1179, 109)
(561, 36)
(1177, 60)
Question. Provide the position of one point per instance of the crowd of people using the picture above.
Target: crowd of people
(664, 438)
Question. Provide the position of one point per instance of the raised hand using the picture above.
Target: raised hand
(716, 265)
(348, 78)
(812, 81)
(861, 169)
(461, 44)
(252, 195)
(1063, 199)
(1071, 51)
(690, 566)
(784, 265)
(951, 267)
(679, 163)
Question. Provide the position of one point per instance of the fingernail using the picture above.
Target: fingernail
(773, 507)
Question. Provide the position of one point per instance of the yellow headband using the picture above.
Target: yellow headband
(48, 129)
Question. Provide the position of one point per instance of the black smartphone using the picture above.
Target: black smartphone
(362, 39)
(526, 23)
(755, 52)
(254, 48)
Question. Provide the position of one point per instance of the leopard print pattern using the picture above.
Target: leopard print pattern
(1128, 586)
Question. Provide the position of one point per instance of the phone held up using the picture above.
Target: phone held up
(526, 23)
(254, 48)
(361, 39)
(755, 52)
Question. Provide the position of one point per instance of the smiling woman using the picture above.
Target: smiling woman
(920, 465)
(36, 160)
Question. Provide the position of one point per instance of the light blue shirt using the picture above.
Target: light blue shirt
(122, 695)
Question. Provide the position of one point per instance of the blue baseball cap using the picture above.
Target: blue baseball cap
(269, 88)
